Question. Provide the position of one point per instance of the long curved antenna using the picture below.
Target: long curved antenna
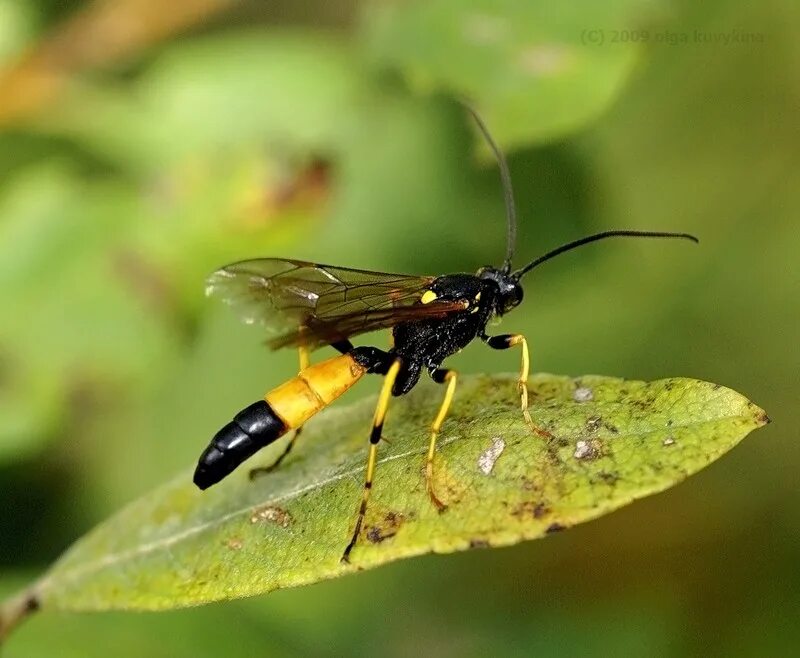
(594, 238)
(508, 192)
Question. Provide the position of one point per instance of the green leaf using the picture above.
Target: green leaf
(615, 441)
(61, 266)
(537, 70)
(16, 27)
(260, 90)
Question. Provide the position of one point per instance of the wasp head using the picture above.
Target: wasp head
(509, 290)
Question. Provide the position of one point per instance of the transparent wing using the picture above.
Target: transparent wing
(301, 303)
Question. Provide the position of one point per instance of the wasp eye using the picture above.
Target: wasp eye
(512, 298)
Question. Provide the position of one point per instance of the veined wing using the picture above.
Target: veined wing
(302, 303)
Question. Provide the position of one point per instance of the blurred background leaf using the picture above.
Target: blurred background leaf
(319, 130)
(534, 69)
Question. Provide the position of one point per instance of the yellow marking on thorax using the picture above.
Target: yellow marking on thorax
(428, 296)
(475, 307)
(314, 389)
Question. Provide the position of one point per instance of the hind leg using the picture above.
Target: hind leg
(374, 440)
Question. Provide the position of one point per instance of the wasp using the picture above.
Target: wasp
(307, 306)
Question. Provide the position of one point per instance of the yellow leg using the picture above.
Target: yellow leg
(506, 341)
(450, 377)
(374, 439)
(305, 357)
(305, 361)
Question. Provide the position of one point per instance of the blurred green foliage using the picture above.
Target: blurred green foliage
(520, 62)
(337, 137)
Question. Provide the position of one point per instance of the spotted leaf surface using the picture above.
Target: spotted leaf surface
(613, 441)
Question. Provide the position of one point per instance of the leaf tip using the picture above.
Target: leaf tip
(758, 414)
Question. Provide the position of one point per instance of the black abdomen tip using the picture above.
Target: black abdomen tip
(251, 429)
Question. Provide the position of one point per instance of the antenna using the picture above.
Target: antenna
(508, 192)
(594, 238)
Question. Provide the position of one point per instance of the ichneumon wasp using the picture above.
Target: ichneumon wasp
(307, 306)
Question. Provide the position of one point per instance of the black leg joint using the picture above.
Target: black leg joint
(375, 434)
(439, 375)
(501, 342)
(374, 360)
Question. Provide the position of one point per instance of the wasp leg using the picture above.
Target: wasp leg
(305, 361)
(374, 439)
(449, 377)
(504, 342)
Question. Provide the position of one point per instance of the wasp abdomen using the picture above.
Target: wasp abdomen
(286, 407)
(250, 430)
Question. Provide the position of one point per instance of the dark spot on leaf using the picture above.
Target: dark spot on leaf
(611, 428)
(376, 535)
(479, 543)
(763, 418)
(273, 514)
(608, 478)
(387, 528)
(555, 527)
(32, 604)
(531, 509)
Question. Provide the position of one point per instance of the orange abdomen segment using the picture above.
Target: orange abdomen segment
(314, 389)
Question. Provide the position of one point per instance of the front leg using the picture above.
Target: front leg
(504, 342)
